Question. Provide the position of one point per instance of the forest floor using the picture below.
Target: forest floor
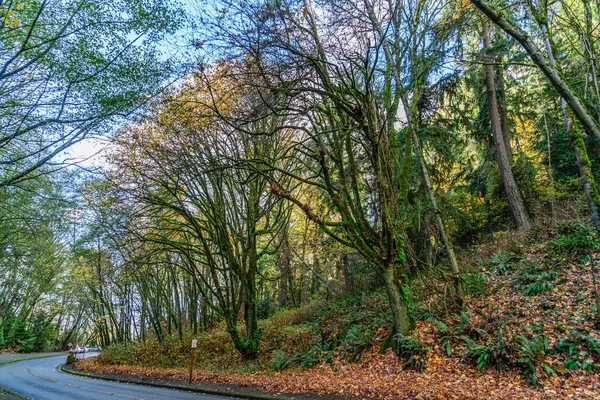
(378, 377)
(528, 331)
(208, 387)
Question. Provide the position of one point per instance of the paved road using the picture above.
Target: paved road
(41, 379)
(12, 356)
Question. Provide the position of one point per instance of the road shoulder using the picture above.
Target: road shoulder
(6, 394)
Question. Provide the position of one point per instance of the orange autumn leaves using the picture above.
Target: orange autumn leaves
(382, 376)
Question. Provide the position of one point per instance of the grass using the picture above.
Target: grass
(6, 394)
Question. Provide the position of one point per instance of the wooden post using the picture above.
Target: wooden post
(194, 345)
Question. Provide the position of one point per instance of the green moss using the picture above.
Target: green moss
(404, 172)
(576, 138)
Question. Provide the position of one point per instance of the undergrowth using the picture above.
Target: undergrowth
(528, 310)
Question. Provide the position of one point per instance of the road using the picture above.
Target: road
(41, 379)
(4, 357)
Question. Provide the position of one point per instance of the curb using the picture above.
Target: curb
(251, 396)
(5, 391)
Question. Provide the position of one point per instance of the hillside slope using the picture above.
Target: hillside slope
(528, 330)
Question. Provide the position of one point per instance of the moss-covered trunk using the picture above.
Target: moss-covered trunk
(399, 299)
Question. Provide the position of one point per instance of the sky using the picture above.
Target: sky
(88, 153)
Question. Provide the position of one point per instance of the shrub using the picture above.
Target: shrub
(411, 350)
(24, 338)
(423, 314)
(565, 346)
(265, 307)
(449, 334)
(314, 356)
(338, 317)
(534, 284)
(532, 354)
(358, 339)
(536, 288)
(503, 262)
(476, 283)
(446, 336)
(292, 339)
(574, 227)
(592, 344)
(279, 360)
(116, 354)
(303, 314)
(494, 352)
(166, 360)
(576, 357)
(573, 239)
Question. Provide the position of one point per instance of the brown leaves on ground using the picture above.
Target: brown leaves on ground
(382, 376)
(561, 312)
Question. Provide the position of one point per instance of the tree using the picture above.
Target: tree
(342, 109)
(33, 262)
(70, 69)
(191, 168)
(538, 56)
(551, 67)
(513, 193)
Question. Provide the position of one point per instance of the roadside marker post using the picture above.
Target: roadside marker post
(194, 345)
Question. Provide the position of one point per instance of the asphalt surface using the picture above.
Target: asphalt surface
(13, 356)
(41, 379)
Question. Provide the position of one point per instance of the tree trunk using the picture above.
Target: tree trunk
(143, 322)
(251, 342)
(438, 215)
(501, 96)
(286, 297)
(513, 194)
(250, 293)
(248, 345)
(429, 240)
(252, 333)
(589, 43)
(204, 313)
(585, 172)
(537, 56)
(315, 280)
(402, 318)
(578, 145)
(348, 278)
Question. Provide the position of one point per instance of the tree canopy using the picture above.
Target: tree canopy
(372, 155)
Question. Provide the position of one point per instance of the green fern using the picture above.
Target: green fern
(532, 355)
(279, 360)
(412, 351)
(357, 341)
(493, 353)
